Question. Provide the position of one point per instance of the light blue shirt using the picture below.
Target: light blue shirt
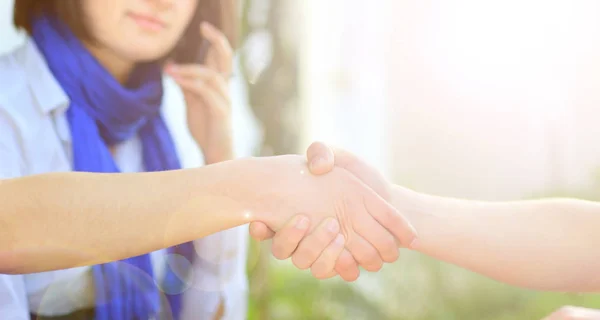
(35, 138)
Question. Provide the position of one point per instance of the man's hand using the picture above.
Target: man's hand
(574, 313)
(339, 195)
(317, 250)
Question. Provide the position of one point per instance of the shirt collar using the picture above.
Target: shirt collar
(47, 91)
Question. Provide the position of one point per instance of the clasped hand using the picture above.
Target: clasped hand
(358, 227)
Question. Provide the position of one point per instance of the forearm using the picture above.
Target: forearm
(544, 245)
(64, 220)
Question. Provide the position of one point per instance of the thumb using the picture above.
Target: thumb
(260, 231)
(320, 158)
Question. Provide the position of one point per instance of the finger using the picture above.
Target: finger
(196, 72)
(347, 267)
(320, 158)
(378, 237)
(387, 216)
(213, 99)
(221, 44)
(212, 60)
(260, 232)
(382, 211)
(329, 275)
(314, 244)
(364, 253)
(325, 263)
(287, 239)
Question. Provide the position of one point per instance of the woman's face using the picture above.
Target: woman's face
(138, 30)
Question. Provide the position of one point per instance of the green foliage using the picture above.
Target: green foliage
(416, 288)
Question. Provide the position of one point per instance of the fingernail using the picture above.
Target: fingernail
(340, 240)
(302, 224)
(333, 225)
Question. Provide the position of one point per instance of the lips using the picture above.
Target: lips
(148, 22)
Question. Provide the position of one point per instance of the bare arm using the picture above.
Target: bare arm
(550, 244)
(61, 220)
(58, 221)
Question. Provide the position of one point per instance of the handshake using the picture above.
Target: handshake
(333, 216)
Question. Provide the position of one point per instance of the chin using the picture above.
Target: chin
(145, 54)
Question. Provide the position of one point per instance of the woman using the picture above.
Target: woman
(99, 59)
(84, 93)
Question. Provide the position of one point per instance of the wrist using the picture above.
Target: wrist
(226, 184)
(251, 186)
(436, 219)
(269, 183)
(415, 207)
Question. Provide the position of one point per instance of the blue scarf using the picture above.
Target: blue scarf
(104, 113)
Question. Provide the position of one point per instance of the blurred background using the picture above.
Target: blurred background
(490, 100)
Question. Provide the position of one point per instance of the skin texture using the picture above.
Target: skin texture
(531, 244)
(214, 198)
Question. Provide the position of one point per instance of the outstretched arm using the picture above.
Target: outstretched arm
(546, 244)
(549, 244)
(60, 220)
(63, 220)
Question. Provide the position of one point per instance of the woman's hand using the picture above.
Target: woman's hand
(206, 91)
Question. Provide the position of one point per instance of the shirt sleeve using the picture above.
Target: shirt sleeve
(13, 297)
(11, 164)
(219, 276)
